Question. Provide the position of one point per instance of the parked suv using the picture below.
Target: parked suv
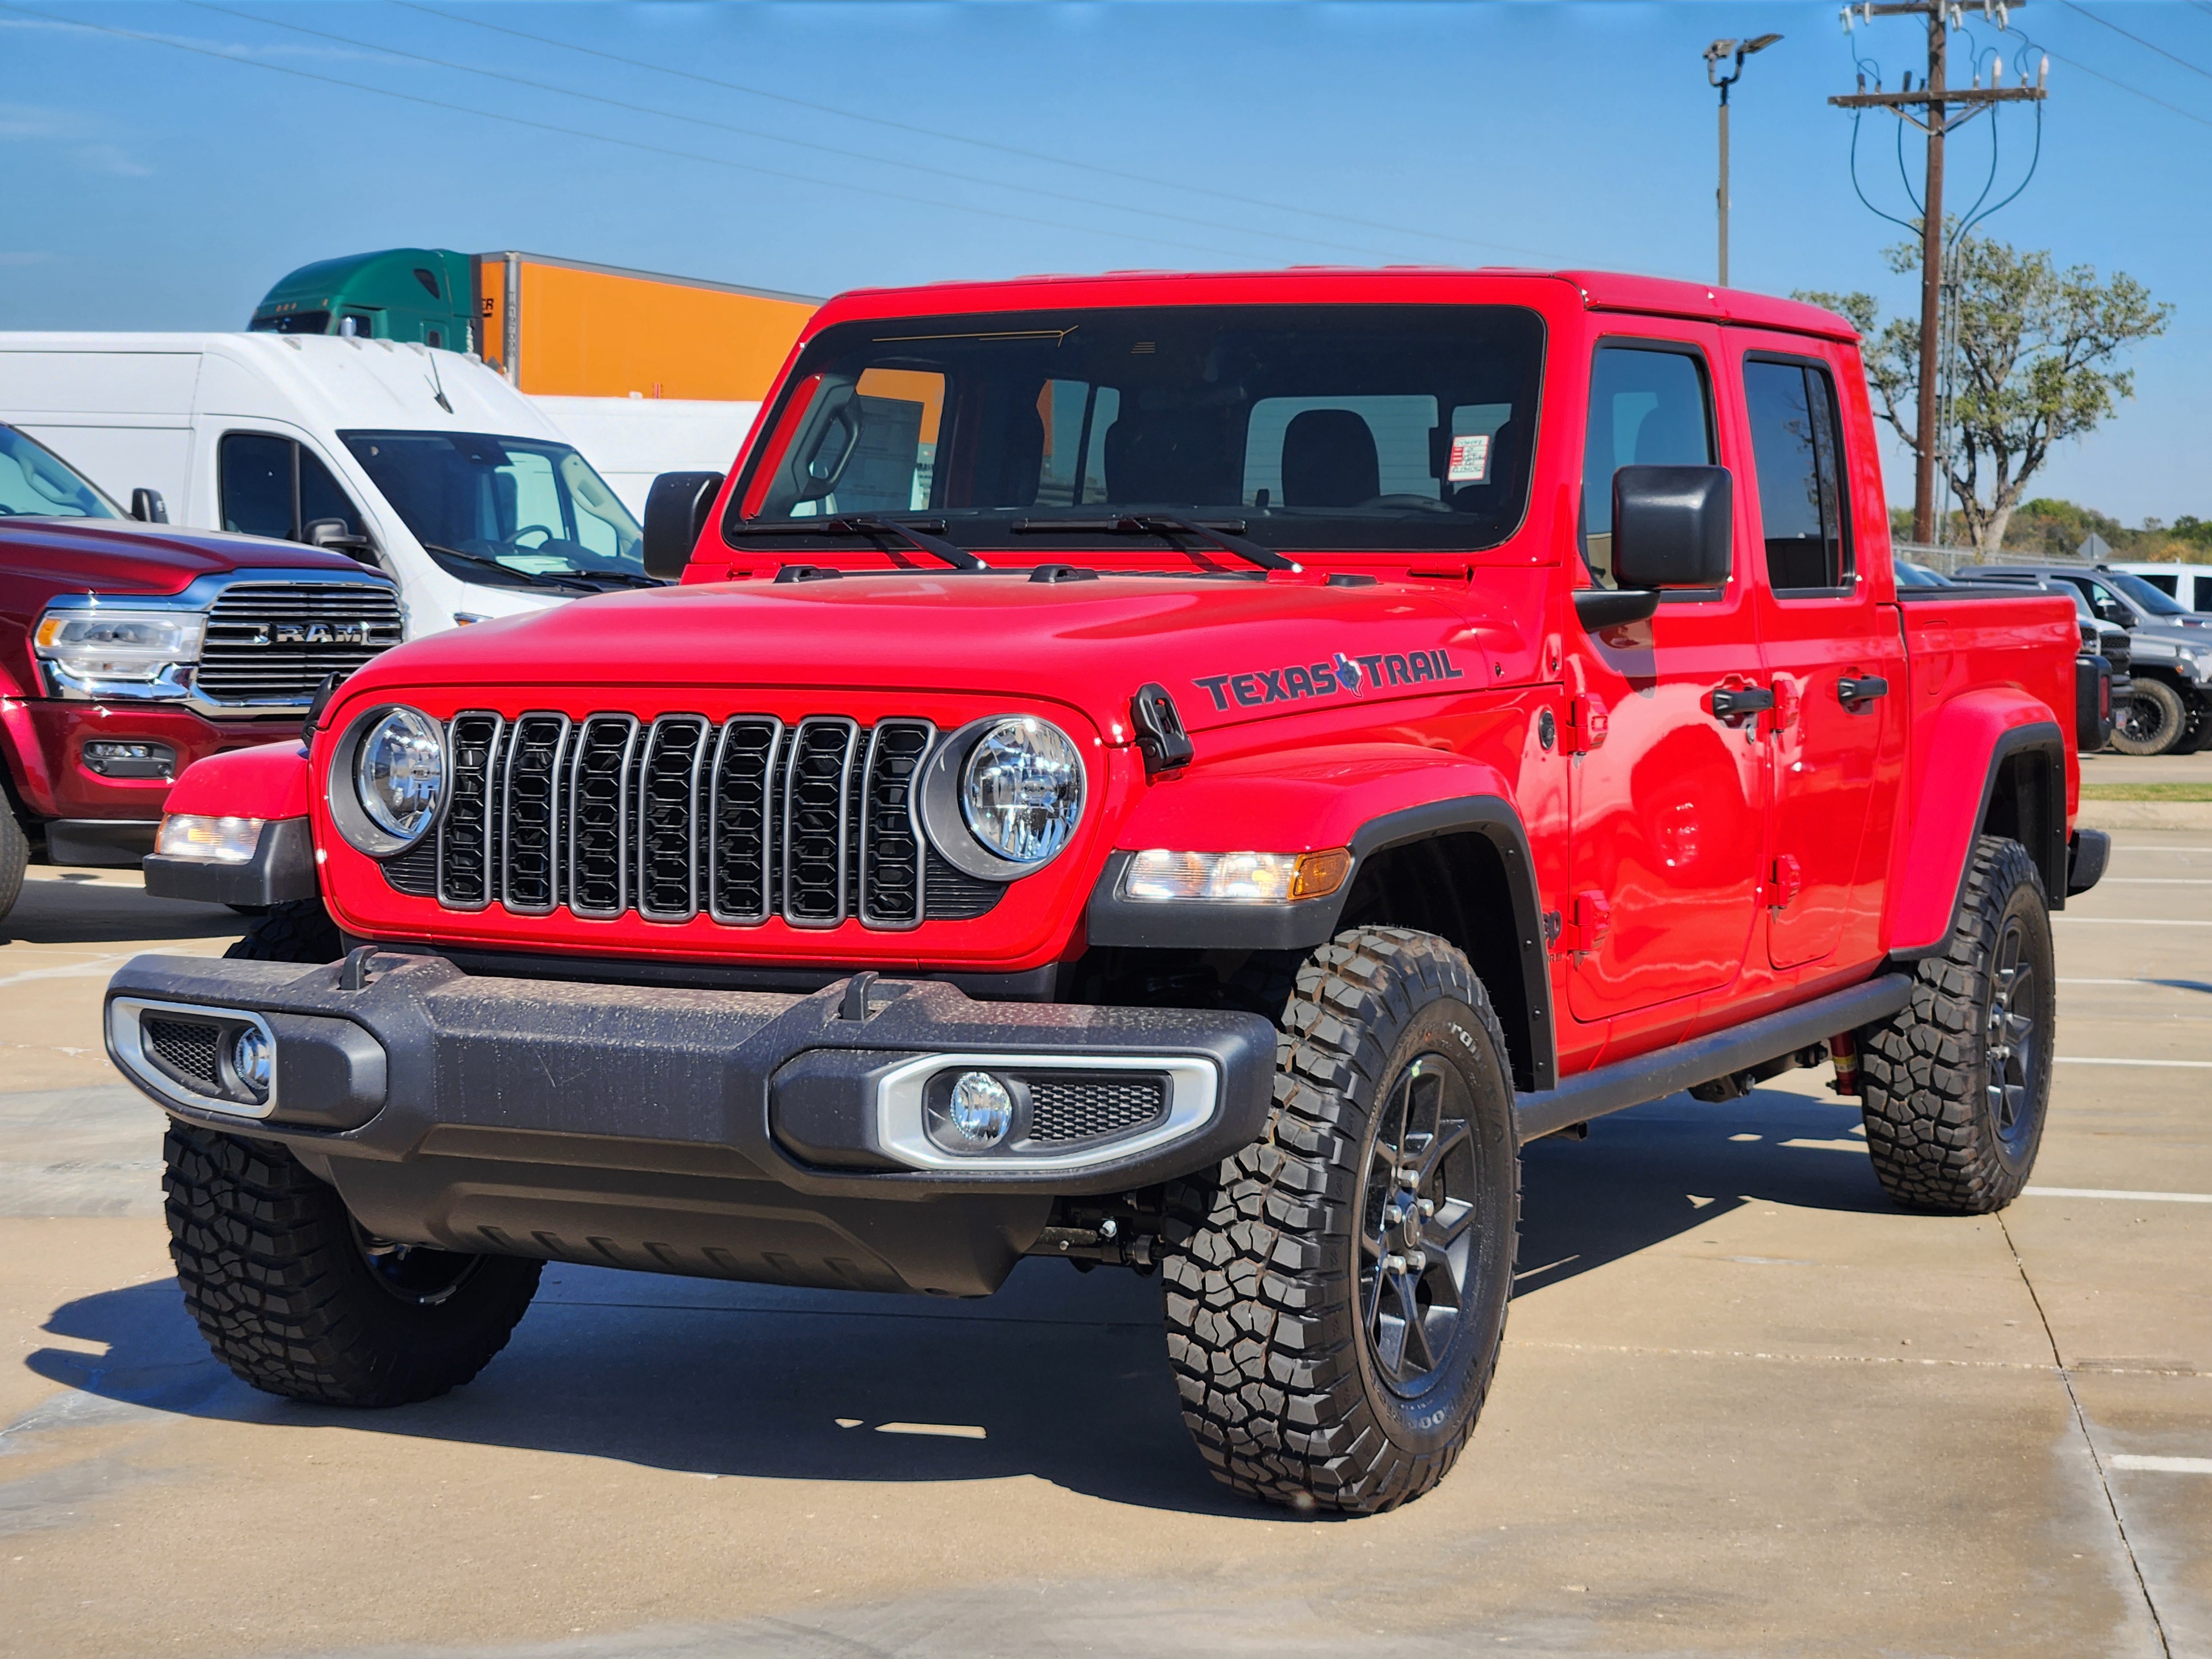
(127, 651)
(2170, 646)
(1189, 773)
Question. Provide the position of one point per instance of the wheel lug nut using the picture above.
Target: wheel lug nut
(1428, 1208)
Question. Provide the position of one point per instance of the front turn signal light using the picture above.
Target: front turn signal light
(219, 840)
(1159, 876)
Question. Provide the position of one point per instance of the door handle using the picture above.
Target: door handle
(1728, 704)
(1864, 688)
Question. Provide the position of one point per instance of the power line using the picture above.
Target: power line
(2138, 92)
(958, 138)
(601, 137)
(771, 137)
(2148, 45)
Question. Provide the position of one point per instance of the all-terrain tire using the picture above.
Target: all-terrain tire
(2154, 722)
(14, 855)
(1956, 1085)
(286, 1291)
(1274, 1290)
(299, 931)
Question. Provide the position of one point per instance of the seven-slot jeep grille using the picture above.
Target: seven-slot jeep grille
(672, 817)
(277, 641)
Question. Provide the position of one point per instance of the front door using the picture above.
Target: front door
(1669, 809)
(1834, 658)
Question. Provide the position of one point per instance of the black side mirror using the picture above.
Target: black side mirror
(676, 511)
(1672, 526)
(148, 507)
(334, 535)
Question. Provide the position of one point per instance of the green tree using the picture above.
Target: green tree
(2038, 363)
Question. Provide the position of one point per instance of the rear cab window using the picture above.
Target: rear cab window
(1790, 407)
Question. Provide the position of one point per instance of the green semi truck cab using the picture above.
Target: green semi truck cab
(424, 295)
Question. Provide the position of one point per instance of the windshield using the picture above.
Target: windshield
(2158, 604)
(1298, 426)
(533, 509)
(35, 483)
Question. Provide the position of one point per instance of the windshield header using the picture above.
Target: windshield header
(1307, 425)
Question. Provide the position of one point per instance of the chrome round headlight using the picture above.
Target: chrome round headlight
(1021, 791)
(399, 773)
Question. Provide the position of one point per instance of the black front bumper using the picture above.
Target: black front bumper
(738, 1134)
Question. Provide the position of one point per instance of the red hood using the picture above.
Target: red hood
(1225, 648)
(114, 556)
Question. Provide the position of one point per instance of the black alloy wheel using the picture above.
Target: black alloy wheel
(2012, 1043)
(1417, 1226)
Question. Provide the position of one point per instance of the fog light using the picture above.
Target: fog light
(979, 1111)
(252, 1058)
(131, 760)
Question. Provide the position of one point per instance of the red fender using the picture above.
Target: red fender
(1961, 748)
(1274, 803)
(269, 781)
(24, 758)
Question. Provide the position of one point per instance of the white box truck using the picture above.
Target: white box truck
(421, 461)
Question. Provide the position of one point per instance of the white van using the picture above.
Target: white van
(2189, 584)
(421, 461)
(630, 441)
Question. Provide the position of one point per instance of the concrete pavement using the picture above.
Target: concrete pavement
(1746, 1406)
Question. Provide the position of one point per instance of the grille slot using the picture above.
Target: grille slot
(415, 872)
(530, 801)
(277, 642)
(668, 817)
(815, 788)
(187, 1048)
(741, 801)
(890, 851)
(467, 846)
(599, 816)
(1065, 1108)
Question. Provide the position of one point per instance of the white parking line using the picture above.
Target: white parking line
(2145, 846)
(2157, 881)
(2114, 1192)
(2094, 1059)
(2132, 922)
(2163, 1465)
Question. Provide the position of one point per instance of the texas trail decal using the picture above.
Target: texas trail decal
(1323, 679)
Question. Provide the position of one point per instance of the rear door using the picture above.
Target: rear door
(1834, 656)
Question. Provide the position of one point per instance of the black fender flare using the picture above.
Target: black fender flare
(1113, 919)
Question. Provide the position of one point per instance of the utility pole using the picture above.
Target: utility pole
(1936, 99)
(1714, 53)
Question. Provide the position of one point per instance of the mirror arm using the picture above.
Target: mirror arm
(1610, 607)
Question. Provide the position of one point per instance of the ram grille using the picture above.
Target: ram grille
(275, 642)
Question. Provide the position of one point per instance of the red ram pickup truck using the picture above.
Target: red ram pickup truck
(130, 650)
(1190, 773)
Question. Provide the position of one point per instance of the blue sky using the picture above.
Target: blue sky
(152, 187)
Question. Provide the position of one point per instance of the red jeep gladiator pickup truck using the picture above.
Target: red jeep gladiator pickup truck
(130, 650)
(1191, 773)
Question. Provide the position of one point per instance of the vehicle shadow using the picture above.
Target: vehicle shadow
(1060, 1375)
(57, 910)
(1646, 1174)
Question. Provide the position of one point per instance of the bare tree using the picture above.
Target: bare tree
(2037, 354)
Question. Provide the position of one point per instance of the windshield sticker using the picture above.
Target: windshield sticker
(1470, 459)
(1321, 679)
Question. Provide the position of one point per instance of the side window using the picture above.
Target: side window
(2110, 605)
(272, 487)
(1794, 445)
(256, 477)
(1649, 406)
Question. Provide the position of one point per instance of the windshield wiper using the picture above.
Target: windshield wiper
(1169, 525)
(545, 579)
(914, 534)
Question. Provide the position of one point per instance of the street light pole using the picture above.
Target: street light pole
(1714, 54)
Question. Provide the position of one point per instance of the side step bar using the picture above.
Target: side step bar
(1651, 1076)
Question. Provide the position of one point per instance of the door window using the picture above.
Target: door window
(1801, 510)
(274, 487)
(1649, 406)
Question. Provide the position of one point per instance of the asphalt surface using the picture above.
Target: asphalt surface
(1746, 1406)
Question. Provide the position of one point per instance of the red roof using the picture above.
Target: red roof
(1333, 284)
